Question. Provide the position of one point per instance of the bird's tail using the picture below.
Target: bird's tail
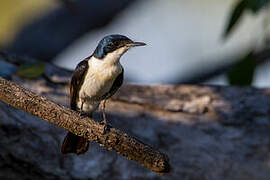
(74, 144)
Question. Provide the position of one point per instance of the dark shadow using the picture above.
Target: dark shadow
(47, 36)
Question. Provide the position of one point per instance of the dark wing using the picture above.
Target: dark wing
(116, 85)
(76, 82)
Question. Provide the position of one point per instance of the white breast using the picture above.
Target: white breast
(98, 81)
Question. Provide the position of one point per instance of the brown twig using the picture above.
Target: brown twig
(70, 120)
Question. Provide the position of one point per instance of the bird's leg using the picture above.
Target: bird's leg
(81, 108)
(103, 103)
(103, 111)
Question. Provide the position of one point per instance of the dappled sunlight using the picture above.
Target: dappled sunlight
(14, 14)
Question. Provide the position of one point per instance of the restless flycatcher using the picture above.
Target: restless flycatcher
(94, 80)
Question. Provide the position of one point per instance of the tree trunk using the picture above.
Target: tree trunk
(208, 132)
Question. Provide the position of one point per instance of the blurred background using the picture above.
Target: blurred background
(210, 41)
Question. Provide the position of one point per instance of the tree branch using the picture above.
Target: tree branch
(61, 116)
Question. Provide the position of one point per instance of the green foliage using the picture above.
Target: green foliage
(256, 5)
(31, 70)
(237, 12)
(235, 16)
(242, 73)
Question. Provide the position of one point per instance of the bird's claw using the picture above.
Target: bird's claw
(106, 126)
(83, 114)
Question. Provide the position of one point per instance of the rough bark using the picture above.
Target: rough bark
(208, 132)
(61, 116)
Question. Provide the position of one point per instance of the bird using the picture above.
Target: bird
(96, 79)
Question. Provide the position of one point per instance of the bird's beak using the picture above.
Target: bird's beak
(133, 44)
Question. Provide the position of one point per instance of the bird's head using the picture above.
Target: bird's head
(112, 47)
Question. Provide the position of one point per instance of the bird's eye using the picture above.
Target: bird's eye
(110, 44)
